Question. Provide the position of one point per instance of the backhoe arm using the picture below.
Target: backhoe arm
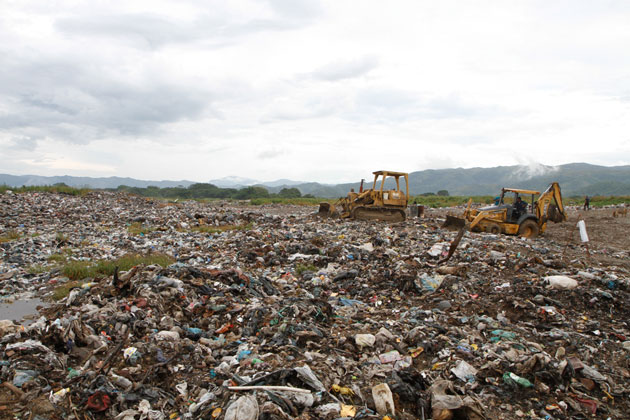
(542, 205)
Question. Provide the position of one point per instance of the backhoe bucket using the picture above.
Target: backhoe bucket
(327, 210)
(453, 223)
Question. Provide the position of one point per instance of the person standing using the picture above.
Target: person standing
(587, 203)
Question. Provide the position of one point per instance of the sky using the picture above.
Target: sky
(324, 91)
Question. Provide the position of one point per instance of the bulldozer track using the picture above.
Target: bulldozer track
(378, 213)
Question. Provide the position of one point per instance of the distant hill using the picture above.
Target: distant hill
(574, 179)
(80, 182)
(238, 182)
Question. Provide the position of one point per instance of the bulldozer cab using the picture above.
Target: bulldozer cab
(389, 195)
(386, 200)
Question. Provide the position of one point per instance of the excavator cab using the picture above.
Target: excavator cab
(509, 200)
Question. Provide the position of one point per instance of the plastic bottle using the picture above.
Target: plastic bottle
(513, 379)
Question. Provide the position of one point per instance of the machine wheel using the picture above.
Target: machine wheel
(493, 228)
(528, 229)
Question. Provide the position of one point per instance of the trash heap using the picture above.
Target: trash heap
(271, 313)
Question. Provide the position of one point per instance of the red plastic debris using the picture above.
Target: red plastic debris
(99, 401)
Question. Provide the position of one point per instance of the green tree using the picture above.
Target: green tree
(443, 193)
(251, 192)
(290, 193)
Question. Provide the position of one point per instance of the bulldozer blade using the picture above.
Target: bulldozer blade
(327, 210)
(453, 223)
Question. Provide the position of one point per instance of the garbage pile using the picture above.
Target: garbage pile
(272, 313)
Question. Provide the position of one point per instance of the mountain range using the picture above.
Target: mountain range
(574, 179)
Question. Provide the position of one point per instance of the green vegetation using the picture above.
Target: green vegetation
(58, 258)
(436, 201)
(57, 189)
(204, 192)
(198, 191)
(139, 229)
(10, 235)
(302, 201)
(597, 201)
(301, 268)
(290, 193)
(61, 237)
(62, 291)
(78, 270)
(36, 269)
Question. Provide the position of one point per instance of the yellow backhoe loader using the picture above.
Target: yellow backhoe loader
(510, 217)
(376, 203)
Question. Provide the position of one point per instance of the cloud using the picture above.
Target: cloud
(348, 69)
(392, 104)
(27, 144)
(531, 169)
(66, 164)
(78, 103)
(217, 29)
(270, 153)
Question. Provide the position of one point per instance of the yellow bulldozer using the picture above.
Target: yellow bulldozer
(376, 203)
(513, 215)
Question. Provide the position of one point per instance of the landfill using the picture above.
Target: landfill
(270, 312)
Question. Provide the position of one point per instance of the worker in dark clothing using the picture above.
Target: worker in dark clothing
(520, 207)
(587, 203)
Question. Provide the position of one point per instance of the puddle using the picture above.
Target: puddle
(18, 309)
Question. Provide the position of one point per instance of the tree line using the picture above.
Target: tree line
(202, 190)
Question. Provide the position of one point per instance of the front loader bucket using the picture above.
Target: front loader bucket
(453, 223)
(327, 210)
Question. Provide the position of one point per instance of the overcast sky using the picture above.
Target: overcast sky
(323, 91)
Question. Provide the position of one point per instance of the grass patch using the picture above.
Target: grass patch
(435, 201)
(301, 268)
(138, 228)
(61, 237)
(598, 201)
(58, 258)
(62, 291)
(128, 261)
(10, 235)
(78, 270)
(221, 228)
(36, 269)
(303, 201)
